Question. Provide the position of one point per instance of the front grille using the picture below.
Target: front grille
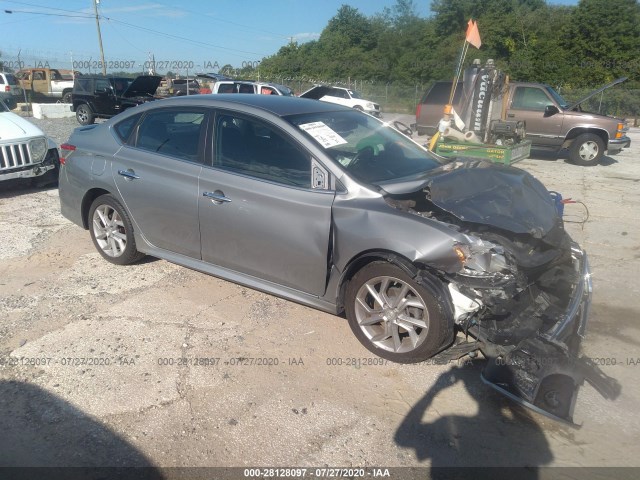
(14, 155)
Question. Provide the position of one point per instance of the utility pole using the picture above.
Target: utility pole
(104, 66)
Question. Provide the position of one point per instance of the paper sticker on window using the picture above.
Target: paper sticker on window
(323, 134)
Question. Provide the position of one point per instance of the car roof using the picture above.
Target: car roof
(275, 104)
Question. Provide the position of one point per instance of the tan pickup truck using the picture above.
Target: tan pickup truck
(46, 82)
(551, 122)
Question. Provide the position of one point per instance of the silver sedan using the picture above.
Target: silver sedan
(332, 208)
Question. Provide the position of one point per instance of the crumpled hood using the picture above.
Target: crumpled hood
(14, 127)
(144, 85)
(481, 192)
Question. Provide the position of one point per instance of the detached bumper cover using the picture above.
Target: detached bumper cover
(545, 372)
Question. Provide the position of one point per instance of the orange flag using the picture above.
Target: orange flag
(473, 35)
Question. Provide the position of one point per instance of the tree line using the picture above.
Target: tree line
(568, 47)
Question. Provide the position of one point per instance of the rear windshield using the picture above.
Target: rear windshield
(439, 94)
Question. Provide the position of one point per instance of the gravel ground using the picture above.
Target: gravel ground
(60, 301)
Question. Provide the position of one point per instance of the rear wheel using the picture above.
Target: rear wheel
(112, 231)
(395, 317)
(587, 150)
(66, 98)
(84, 115)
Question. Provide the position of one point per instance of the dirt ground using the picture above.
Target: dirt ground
(154, 364)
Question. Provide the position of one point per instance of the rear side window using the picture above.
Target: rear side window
(82, 85)
(173, 132)
(125, 127)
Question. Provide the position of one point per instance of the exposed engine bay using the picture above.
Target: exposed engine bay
(522, 292)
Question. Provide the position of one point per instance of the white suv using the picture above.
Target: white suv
(10, 90)
(343, 96)
(25, 152)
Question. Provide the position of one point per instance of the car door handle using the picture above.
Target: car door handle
(217, 196)
(128, 174)
(511, 115)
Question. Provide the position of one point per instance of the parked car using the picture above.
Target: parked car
(246, 86)
(10, 90)
(343, 96)
(96, 96)
(325, 206)
(552, 123)
(25, 152)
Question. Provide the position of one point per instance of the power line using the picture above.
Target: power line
(149, 30)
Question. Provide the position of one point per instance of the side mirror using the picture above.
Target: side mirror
(550, 110)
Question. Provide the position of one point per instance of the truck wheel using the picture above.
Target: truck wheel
(587, 150)
(84, 115)
(66, 98)
(395, 317)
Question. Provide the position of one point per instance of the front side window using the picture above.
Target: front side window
(253, 148)
(173, 132)
(530, 98)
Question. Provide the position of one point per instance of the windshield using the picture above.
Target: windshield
(355, 94)
(557, 97)
(365, 147)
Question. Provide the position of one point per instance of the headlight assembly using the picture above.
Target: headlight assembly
(38, 149)
(481, 258)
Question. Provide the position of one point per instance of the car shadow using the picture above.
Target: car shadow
(501, 433)
(18, 186)
(45, 436)
(552, 156)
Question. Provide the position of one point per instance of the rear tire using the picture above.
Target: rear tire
(587, 150)
(66, 98)
(112, 231)
(84, 115)
(395, 317)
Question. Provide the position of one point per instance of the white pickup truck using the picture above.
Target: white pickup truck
(46, 82)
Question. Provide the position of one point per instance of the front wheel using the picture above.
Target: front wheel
(587, 150)
(395, 317)
(84, 115)
(112, 231)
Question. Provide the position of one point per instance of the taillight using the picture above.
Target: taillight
(418, 108)
(7, 88)
(66, 149)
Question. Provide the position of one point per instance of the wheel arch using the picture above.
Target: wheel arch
(87, 200)
(421, 273)
(577, 131)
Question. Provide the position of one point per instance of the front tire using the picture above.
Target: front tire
(84, 115)
(395, 317)
(112, 231)
(587, 150)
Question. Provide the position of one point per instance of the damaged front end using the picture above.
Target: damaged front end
(522, 291)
